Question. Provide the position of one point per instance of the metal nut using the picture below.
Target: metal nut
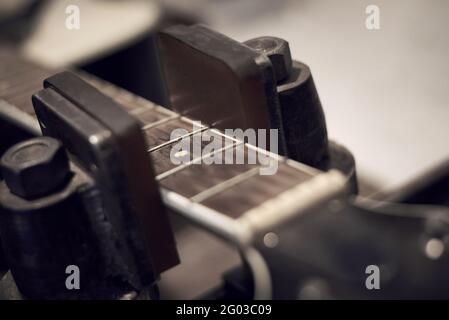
(35, 167)
(278, 51)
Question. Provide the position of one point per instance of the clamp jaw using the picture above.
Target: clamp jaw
(98, 209)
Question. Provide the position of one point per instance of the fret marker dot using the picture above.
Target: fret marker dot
(93, 139)
(271, 240)
(181, 154)
(434, 248)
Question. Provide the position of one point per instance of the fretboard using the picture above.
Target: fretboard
(210, 194)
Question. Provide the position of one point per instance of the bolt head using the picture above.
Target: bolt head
(278, 51)
(35, 167)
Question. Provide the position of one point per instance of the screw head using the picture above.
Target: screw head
(35, 167)
(278, 51)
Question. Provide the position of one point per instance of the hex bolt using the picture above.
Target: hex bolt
(35, 167)
(278, 51)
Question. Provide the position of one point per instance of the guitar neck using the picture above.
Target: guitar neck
(209, 184)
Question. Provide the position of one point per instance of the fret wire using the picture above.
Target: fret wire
(250, 146)
(222, 186)
(156, 123)
(139, 110)
(266, 152)
(270, 154)
(293, 202)
(183, 166)
(302, 167)
(177, 139)
(216, 131)
(194, 122)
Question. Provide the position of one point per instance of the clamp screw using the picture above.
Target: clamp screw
(35, 167)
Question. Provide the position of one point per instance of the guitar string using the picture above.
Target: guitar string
(161, 121)
(224, 185)
(172, 141)
(165, 174)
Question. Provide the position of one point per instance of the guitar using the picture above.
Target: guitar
(325, 241)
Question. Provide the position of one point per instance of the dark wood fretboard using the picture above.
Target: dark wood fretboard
(228, 189)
